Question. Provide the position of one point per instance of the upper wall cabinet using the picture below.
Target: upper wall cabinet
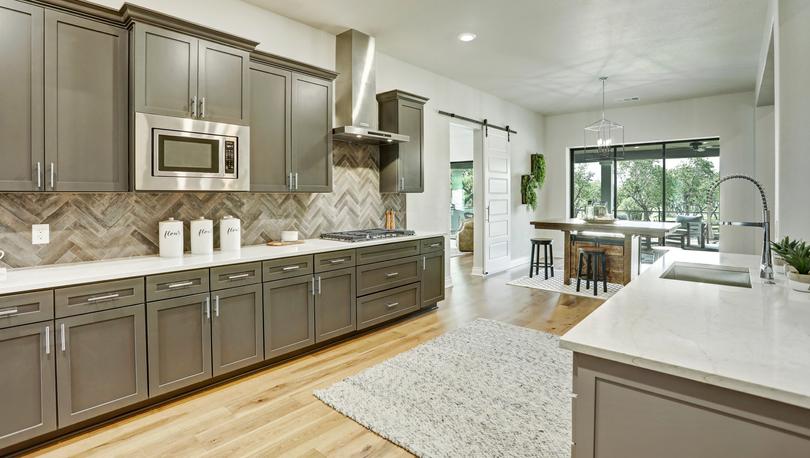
(177, 74)
(291, 125)
(63, 102)
(402, 164)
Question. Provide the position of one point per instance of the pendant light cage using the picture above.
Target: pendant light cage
(605, 135)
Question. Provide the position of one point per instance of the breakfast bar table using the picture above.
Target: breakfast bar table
(621, 263)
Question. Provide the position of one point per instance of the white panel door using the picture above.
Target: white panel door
(497, 202)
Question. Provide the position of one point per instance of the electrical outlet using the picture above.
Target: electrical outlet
(40, 234)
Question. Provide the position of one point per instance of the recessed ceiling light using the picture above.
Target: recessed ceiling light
(467, 36)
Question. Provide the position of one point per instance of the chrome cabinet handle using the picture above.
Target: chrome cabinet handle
(182, 284)
(290, 268)
(207, 306)
(424, 263)
(296, 181)
(52, 176)
(47, 340)
(8, 312)
(392, 305)
(337, 261)
(194, 107)
(202, 108)
(216, 306)
(313, 286)
(392, 275)
(289, 181)
(103, 298)
(238, 276)
(434, 245)
(62, 332)
(39, 175)
(402, 184)
(319, 284)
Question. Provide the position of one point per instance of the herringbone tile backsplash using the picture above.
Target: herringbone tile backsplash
(94, 226)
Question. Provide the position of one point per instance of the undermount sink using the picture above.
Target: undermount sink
(709, 273)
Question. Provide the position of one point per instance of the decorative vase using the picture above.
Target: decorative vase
(799, 282)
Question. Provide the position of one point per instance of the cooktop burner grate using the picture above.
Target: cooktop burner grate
(366, 234)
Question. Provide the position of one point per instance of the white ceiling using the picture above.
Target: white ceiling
(546, 55)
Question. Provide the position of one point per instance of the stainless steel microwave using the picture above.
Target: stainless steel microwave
(181, 154)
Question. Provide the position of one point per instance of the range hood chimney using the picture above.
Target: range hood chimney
(356, 90)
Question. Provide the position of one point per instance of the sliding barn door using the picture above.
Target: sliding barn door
(497, 203)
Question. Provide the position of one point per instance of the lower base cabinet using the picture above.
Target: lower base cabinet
(179, 342)
(289, 315)
(386, 305)
(335, 304)
(27, 383)
(100, 363)
(432, 278)
(237, 339)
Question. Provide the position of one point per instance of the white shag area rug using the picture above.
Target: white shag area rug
(556, 285)
(488, 389)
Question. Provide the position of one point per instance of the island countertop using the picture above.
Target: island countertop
(753, 340)
(651, 228)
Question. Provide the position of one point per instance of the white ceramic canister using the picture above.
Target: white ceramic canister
(289, 236)
(230, 234)
(202, 236)
(171, 238)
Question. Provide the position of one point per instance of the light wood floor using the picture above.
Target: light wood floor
(273, 412)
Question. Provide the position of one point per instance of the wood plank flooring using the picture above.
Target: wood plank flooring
(273, 413)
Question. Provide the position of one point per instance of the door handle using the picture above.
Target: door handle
(216, 306)
(392, 275)
(238, 276)
(392, 305)
(52, 176)
(337, 261)
(103, 298)
(182, 284)
(194, 107)
(424, 263)
(202, 108)
(39, 175)
(8, 312)
(207, 306)
(289, 181)
(319, 284)
(296, 181)
(487, 213)
(313, 286)
(290, 268)
(62, 333)
(47, 340)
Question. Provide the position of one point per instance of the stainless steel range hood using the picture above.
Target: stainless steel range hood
(355, 92)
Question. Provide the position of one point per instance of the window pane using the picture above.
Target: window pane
(592, 181)
(640, 183)
(692, 167)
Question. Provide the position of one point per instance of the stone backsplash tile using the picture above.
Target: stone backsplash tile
(94, 226)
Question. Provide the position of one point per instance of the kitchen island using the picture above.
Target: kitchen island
(619, 260)
(673, 368)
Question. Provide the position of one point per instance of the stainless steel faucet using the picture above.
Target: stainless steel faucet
(765, 266)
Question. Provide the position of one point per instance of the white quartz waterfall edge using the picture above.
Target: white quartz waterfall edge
(486, 389)
(556, 285)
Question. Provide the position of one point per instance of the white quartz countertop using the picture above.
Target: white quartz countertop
(52, 276)
(753, 340)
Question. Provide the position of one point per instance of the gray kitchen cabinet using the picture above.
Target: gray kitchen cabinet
(386, 305)
(270, 141)
(289, 315)
(335, 304)
(179, 333)
(28, 381)
(176, 74)
(100, 363)
(21, 97)
(402, 164)
(237, 328)
(26, 308)
(311, 134)
(432, 278)
(380, 276)
(86, 105)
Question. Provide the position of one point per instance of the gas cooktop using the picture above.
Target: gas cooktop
(366, 234)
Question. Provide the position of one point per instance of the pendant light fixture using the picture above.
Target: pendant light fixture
(605, 134)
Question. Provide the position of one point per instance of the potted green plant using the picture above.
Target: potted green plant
(797, 257)
(528, 194)
(779, 249)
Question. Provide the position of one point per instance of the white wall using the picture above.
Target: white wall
(730, 117)
(461, 143)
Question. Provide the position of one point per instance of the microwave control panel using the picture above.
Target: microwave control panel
(230, 156)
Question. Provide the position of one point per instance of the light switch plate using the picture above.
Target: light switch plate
(40, 234)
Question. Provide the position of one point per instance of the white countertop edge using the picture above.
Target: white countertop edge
(699, 376)
(69, 274)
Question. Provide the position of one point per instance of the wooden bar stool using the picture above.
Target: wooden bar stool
(596, 263)
(534, 259)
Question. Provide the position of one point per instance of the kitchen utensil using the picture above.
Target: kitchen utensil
(171, 238)
(202, 236)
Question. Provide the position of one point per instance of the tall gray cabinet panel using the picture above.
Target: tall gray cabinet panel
(179, 342)
(311, 134)
(432, 278)
(165, 71)
(237, 339)
(402, 164)
(27, 382)
(335, 304)
(86, 105)
(289, 315)
(270, 143)
(21, 103)
(222, 84)
(100, 363)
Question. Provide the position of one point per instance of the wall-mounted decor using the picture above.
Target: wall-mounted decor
(532, 183)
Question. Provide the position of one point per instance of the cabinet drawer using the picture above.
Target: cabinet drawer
(279, 269)
(432, 245)
(387, 252)
(95, 297)
(334, 260)
(387, 305)
(236, 275)
(26, 308)
(167, 286)
(390, 274)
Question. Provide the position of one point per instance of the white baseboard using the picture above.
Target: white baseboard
(448, 281)
(477, 272)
